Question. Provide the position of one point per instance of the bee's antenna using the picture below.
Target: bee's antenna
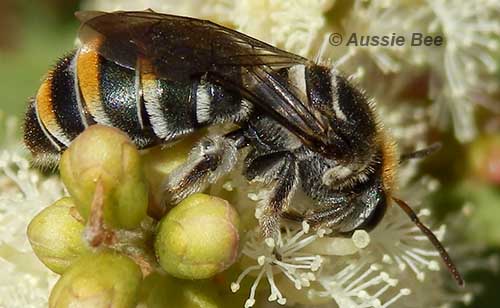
(433, 239)
(421, 153)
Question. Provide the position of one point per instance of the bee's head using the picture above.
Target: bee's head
(366, 199)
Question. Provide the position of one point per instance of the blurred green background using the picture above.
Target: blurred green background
(34, 34)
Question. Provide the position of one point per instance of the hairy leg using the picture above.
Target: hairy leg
(280, 172)
(210, 159)
(330, 216)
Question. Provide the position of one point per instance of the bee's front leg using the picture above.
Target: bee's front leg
(329, 216)
(325, 216)
(210, 159)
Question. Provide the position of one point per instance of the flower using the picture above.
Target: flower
(351, 285)
(8, 133)
(402, 244)
(286, 256)
(292, 25)
(472, 32)
(462, 73)
(25, 281)
(357, 284)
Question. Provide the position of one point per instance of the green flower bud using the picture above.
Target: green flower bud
(158, 163)
(162, 291)
(56, 236)
(105, 156)
(198, 238)
(103, 280)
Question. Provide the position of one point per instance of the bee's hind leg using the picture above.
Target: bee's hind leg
(210, 159)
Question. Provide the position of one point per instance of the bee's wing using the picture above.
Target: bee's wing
(286, 104)
(176, 45)
(179, 48)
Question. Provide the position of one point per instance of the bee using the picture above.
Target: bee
(161, 77)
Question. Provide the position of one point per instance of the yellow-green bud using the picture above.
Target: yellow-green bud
(162, 291)
(105, 156)
(198, 238)
(103, 280)
(158, 163)
(56, 236)
(484, 158)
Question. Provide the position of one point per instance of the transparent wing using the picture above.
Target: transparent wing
(180, 48)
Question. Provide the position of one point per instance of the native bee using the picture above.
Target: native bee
(161, 77)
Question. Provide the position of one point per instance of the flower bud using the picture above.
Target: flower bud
(159, 291)
(198, 238)
(103, 155)
(484, 158)
(158, 163)
(103, 280)
(56, 236)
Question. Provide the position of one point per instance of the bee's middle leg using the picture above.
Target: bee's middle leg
(210, 159)
(280, 172)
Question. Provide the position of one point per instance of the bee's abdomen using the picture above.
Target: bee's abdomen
(56, 104)
(65, 99)
(46, 152)
(112, 96)
(215, 104)
(177, 108)
(54, 118)
(168, 105)
(85, 88)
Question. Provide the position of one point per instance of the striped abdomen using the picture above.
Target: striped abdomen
(84, 89)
